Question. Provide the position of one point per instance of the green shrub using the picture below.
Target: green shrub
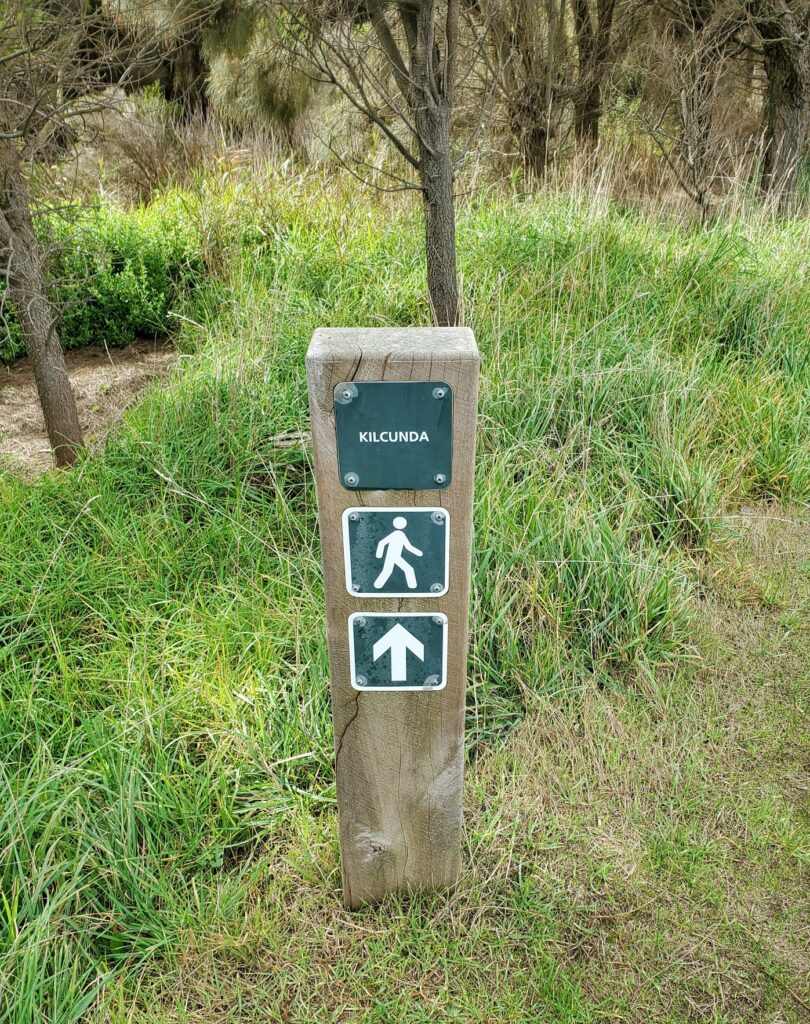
(115, 275)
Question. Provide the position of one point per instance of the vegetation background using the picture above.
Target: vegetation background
(637, 827)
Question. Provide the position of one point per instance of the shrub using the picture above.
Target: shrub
(115, 275)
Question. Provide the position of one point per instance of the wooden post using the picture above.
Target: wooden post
(398, 752)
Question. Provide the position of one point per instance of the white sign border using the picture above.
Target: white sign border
(397, 615)
(394, 510)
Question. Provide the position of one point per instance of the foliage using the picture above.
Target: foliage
(115, 275)
(165, 738)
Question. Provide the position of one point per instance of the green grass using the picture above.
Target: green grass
(167, 822)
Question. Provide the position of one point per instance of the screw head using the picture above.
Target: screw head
(356, 587)
(351, 479)
(438, 518)
(354, 516)
(438, 620)
(440, 478)
(361, 681)
(439, 392)
(432, 681)
(344, 393)
(436, 588)
(360, 620)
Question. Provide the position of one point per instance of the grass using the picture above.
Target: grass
(637, 825)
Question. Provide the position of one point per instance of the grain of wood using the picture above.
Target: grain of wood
(398, 756)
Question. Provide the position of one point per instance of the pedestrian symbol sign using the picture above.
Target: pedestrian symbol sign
(406, 651)
(396, 552)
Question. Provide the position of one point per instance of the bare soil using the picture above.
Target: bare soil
(105, 381)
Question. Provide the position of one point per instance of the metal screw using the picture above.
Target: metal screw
(361, 681)
(439, 392)
(344, 393)
(431, 681)
(438, 620)
(354, 516)
(355, 587)
(436, 588)
(439, 478)
(438, 518)
(352, 479)
(360, 620)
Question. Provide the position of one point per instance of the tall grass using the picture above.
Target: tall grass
(164, 703)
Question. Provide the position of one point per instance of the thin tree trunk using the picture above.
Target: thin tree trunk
(433, 129)
(25, 286)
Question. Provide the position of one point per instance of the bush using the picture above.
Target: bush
(115, 275)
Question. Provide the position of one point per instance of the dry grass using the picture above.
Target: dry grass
(674, 828)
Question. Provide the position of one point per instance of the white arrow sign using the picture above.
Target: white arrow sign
(398, 641)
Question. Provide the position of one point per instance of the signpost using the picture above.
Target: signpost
(393, 416)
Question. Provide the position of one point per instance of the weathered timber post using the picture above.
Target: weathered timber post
(393, 431)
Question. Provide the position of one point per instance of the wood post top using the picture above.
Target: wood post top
(446, 343)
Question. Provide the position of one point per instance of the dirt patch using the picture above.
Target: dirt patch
(105, 382)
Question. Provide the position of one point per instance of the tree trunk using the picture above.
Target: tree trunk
(534, 150)
(436, 172)
(187, 79)
(587, 112)
(532, 124)
(787, 112)
(785, 35)
(587, 100)
(593, 41)
(25, 285)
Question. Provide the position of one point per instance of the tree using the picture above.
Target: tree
(34, 43)
(593, 36)
(56, 59)
(396, 64)
(783, 27)
(529, 42)
(179, 29)
(695, 43)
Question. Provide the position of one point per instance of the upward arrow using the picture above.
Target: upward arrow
(398, 641)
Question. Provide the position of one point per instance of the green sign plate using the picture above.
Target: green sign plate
(394, 435)
(407, 651)
(396, 552)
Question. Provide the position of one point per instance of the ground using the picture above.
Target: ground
(106, 381)
(628, 858)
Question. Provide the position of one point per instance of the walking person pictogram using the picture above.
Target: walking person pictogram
(392, 547)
